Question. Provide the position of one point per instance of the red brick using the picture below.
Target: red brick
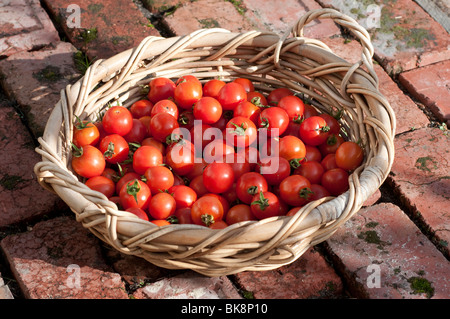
(35, 79)
(24, 26)
(279, 17)
(431, 86)
(420, 174)
(381, 252)
(189, 285)
(203, 14)
(162, 5)
(21, 196)
(405, 37)
(308, 277)
(60, 259)
(114, 25)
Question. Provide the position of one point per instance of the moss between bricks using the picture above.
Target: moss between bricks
(50, 73)
(421, 285)
(10, 182)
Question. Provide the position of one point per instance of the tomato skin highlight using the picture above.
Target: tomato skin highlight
(349, 155)
(218, 177)
(101, 184)
(314, 131)
(117, 119)
(230, 95)
(160, 88)
(145, 157)
(161, 206)
(90, 163)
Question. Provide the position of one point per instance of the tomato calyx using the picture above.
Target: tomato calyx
(173, 219)
(109, 151)
(252, 190)
(264, 123)
(133, 189)
(298, 119)
(78, 151)
(239, 129)
(262, 202)
(305, 192)
(208, 219)
(296, 162)
(79, 124)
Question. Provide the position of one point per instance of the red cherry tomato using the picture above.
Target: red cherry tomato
(246, 84)
(332, 123)
(212, 87)
(249, 110)
(85, 133)
(141, 108)
(276, 95)
(335, 181)
(206, 210)
(318, 192)
(138, 212)
(160, 88)
(184, 195)
(239, 213)
(197, 185)
(135, 193)
(159, 179)
(183, 215)
(126, 178)
(265, 205)
(274, 119)
(314, 131)
(241, 132)
(230, 95)
(293, 106)
(162, 125)
(187, 93)
(115, 148)
(329, 161)
(161, 206)
(208, 110)
(138, 133)
(186, 119)
(165, 106)
(349, 156)
(218, 177)
(312, 170)
(88, 161)
(331, 145)
(295, 190)
(118, 120)
(257, 98)
(180, 157)
(313, 153)
(217, 151)
(145, 157)
(274, 169)
(250, 184)
(293, 149)
(160, 222)
(218, 225)
(101, 184)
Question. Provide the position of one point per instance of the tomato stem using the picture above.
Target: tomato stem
(305, 192)
(207, 219)
(240, 129)
(133, 189)
(262, 202)
(78, 151)
(296, 162)
(109, 151)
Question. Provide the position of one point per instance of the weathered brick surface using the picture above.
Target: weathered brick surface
(279, 18)
(403, 34)
(24, 26)
(21, 196)
(383, 255)
(57, 259)
(35, 80)
(204, 14)
(431, 86)
(189, 285)
(106, 27)
(308, 277)
(421, 176)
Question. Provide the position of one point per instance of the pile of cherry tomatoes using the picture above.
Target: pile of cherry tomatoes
(213, 154)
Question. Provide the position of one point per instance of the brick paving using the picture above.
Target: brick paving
(395, 248)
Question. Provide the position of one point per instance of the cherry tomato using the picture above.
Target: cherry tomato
(180, 157)
(197, 185)
(295, 190)
(208, 110)
(188, 78)
(329, 161)
(246, 84)
(314, 131)
(335, 181)
(88, 161)
(161, 206)
(240, 165)
(251, 155)
(187, 93)
(276, 95)
(101, 184)
(150, 141)
(218, 225)
(201, 135)
(274, 169)
(293, 149)
(332, 123)
(206, 210)
(160, 222)
(257, 98)
(183, 215)
(249, 110)
(165, 106)
(218, 177)
(118, 120)
(349, 155)
(274, 119)
(114, 148)
(184, 195)
(160, 88)
(138, 132)
(85, 133)
(186, 119)
(141, 108)
(313, 153)
(145, 157)
(312, 170)
(111, 173)
(241, 132)
(222, 200)
(230, 95)
(146, 121)
(331, 145)
(126, 178)
(199, 166)
(250, 184)
(162, 125)
(138, 212)
(159, 179)
(265, 205)
(212, 88)
(217, 151)
(309, 111)
(239, 213)
(293, 106)
(318, 192)
(135, 193)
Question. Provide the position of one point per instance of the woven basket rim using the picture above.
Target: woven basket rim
(264, 244)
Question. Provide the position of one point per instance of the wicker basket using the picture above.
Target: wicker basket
(305, 65)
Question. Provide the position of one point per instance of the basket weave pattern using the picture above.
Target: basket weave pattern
(304, 65)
